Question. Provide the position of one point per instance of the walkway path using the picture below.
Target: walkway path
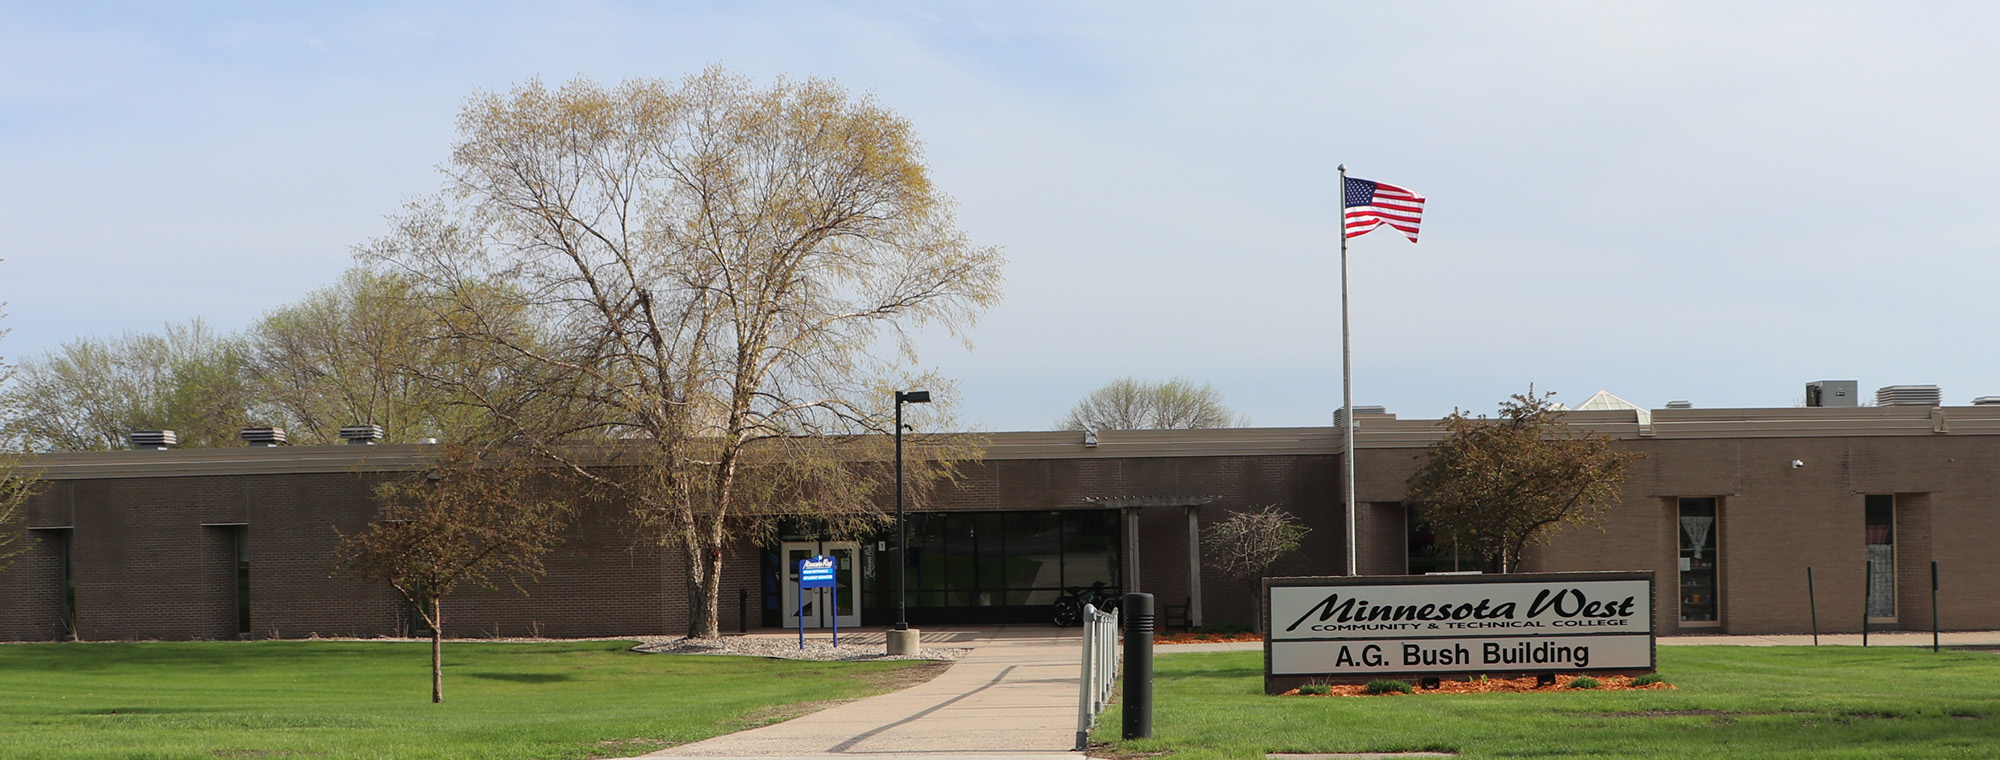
(1013, 696)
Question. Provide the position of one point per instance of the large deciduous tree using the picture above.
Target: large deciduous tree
(724, 281)
(1244, 546)
(357, 352)
(470, 517)
(91, 393)
(1129, 404)
(1494, 486)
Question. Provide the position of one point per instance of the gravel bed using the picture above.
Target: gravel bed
(788, 649)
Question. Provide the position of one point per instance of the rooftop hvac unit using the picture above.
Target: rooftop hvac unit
(1986, 401)
(263, 436)
(1680, 405)
(1833, 393)
(1360, 412)
(361, 435)
(1909, 395)
(158, 440)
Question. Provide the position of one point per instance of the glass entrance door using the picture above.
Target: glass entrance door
(818, 612)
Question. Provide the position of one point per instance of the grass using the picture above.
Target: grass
(287, 699)
(1763, 702)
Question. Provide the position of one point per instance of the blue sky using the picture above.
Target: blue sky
(1716, 202)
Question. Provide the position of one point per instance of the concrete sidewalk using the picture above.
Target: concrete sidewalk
(1013, 696)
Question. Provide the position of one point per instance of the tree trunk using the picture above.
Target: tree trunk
(704, 617)
(691, 550)
(436, 619)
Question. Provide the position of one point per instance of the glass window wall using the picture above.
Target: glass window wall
(976, 565)
(1700, 554)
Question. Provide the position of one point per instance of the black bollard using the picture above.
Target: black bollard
(1812, 603)
(1138, 706)
(1934, 624)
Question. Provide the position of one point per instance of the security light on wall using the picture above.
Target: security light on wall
(1797, 464)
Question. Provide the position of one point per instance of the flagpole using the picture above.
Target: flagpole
(1347, 386)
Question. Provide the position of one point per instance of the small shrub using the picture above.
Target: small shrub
(1386, 686)
(1316, 689)
(1648, 680)
(1583, 682)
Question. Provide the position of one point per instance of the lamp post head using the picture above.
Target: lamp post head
(913, 397)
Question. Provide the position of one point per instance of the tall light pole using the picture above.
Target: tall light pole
(902, 531)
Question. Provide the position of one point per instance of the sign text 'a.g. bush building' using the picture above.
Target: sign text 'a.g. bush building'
(1358, 629)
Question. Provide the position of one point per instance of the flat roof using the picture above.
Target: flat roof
(1374, 432)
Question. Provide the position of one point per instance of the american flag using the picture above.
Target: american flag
(1373, 204)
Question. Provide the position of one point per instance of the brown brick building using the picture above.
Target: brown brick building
(1728, 510)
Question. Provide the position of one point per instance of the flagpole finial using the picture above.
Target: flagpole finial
(1343, 167)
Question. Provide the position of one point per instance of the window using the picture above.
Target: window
(1880, 519)
(1004, 559)
(1700, 554)
(240, 536)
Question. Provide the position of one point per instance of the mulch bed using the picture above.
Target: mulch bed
(1488, 686)
(1163, 637)
(1491, 685)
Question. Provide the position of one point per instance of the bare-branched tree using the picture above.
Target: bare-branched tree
(1495, 486)
(1129, 404)
(471, 517)
(1244, 546)
(90, 394)
(722, 281)
(356, 353)
(17, 480)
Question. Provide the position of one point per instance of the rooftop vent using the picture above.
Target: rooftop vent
(1986, 401)
(1360, 412)
(1833, 393)
(1909, 395)
(361, 435)
(263, 436)
(155, 440)
(1680, 405)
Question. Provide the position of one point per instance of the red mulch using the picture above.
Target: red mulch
(1163, 637)
(1487, 686)
(1491, 685)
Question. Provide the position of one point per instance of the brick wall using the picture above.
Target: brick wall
(152, 563)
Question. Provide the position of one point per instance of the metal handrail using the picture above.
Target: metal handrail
(1100, 669)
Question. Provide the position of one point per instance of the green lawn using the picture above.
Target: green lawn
(1752, 702)
(282, 699)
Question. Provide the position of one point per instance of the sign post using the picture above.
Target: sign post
(818, 572)
(1353, 630)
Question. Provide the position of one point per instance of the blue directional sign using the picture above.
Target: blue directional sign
(816, 572)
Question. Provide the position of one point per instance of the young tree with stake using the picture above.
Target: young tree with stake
(470, 517)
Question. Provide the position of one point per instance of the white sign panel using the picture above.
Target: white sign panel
(1379, 627)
